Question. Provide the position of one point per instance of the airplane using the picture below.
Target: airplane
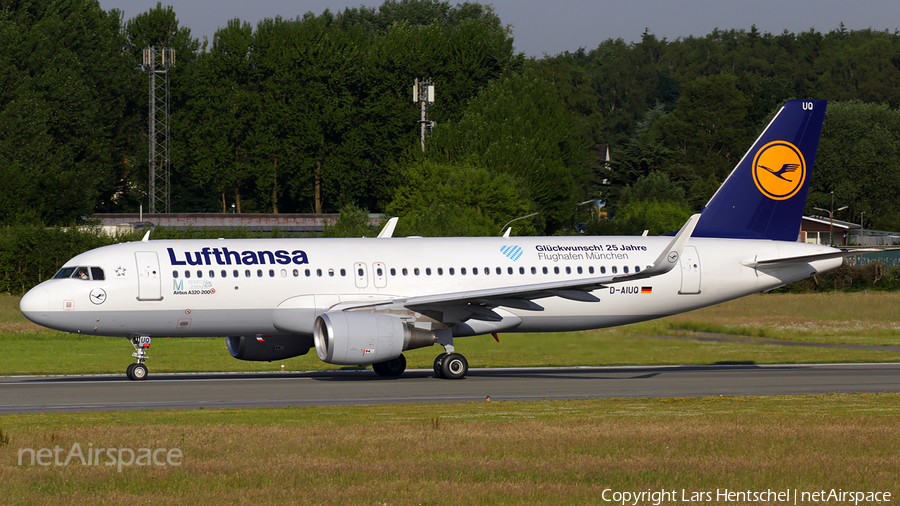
(365, 301)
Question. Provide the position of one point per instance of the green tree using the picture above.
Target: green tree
(518, 126)
(859, 160)
(461, 199)
(62, 110)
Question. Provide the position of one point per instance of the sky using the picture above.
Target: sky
(550, 27)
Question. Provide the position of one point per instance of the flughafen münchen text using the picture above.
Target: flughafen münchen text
(558, 252)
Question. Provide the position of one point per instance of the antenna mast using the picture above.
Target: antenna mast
(423, 94)
(157, 62)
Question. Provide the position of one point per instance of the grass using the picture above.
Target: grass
(838, 318)
(859, 318)
(552, 452)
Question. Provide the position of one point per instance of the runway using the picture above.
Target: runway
(34, 394)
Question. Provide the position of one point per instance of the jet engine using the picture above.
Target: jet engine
(357, 338)
(268, 348)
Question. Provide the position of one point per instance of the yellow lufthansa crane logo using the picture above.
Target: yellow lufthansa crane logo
(779, 170)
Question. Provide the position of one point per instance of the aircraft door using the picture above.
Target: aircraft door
(690, 270)
(362, 277)
(149, 280)
(379, 273)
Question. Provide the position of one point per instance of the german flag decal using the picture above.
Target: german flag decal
(646, 289)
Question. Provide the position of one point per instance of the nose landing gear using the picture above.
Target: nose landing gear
(138, 370)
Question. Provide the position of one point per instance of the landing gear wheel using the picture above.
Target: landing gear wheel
(438, 360)
(454, 366)
(130, 371)
(390, 368)
(138, 372)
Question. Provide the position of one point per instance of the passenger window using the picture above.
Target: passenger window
(462, 271)
(404, 271)
(296, 273)
(487, 271)
(533, 270)
(451, 271)
(175, 274)
(283, 273)
(556, 270)
(568, 270)
(271, 273)
(259, 273)
(393, 271)
(545, 270)
(224, 273)
(235, 273)
(319, 272)
(379, 271)
(199, 273)
(579, 269)
(428, 271)
(344, 272)
(306, 272)
(440, 271)
(615, 269)
(187, 274)
(625, 269)
(602, 270)
(416, 271)
(521, 270)
(330, 273)
(246, 273)
(97, 273)
(637, 268)
(591, 269)
(212, 273)
(475, 271)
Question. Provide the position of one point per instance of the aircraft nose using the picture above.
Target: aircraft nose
(35, 305)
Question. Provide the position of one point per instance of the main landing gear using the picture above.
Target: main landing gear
(390, 368)
(138, 370)
(449, 365)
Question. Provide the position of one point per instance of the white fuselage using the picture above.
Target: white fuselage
(278, 286)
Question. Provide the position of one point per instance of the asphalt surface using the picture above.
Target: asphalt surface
(32, 394)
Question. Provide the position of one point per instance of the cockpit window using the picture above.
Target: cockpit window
(80, 272)
(65, 272)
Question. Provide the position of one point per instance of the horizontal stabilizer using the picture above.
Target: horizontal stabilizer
(778, 262)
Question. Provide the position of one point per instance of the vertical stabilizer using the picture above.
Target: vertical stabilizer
(765, 194)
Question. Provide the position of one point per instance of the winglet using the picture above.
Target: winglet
(146, 236)
(388, 229)
(669, 257)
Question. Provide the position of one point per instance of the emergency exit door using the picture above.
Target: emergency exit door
(149, 280)
(690, 270)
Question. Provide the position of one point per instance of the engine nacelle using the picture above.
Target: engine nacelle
(268, 348)
(357, 338)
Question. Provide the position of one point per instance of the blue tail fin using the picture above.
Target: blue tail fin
(764, 196)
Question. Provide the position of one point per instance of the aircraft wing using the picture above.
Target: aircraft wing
(477, 304)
